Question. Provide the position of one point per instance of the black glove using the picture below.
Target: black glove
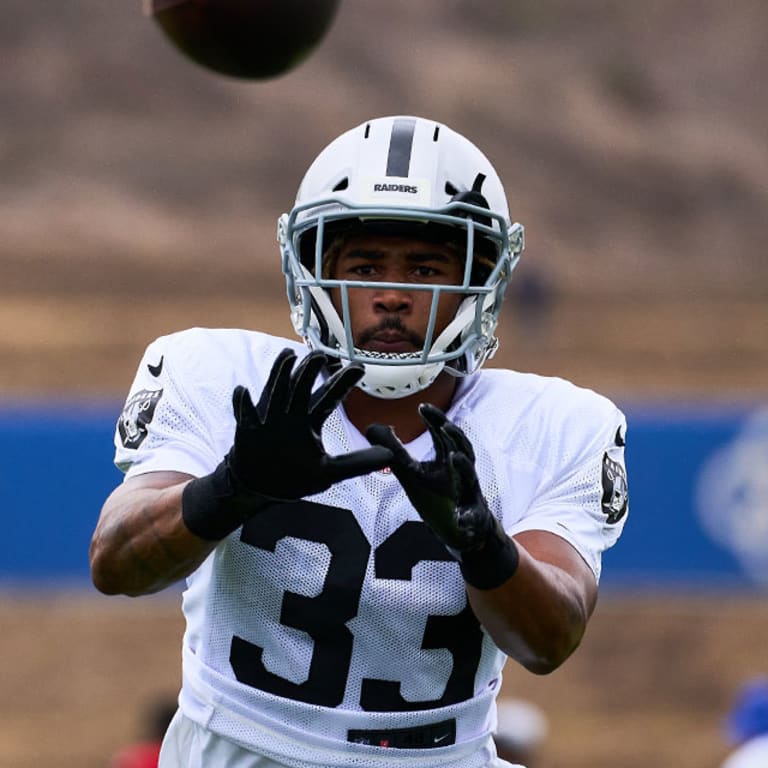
(278, 454)
(446, 494)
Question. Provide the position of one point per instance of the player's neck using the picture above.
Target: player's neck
(363, 409)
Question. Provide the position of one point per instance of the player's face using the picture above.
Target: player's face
(392, 320)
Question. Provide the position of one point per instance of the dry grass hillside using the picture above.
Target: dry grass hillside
(138, 193)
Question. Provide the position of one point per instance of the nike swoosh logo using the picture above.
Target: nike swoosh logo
(438, 739)
(156, 370)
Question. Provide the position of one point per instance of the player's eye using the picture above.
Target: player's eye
(362, 270)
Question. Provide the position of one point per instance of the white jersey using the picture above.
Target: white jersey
(752, 754)
(335, 631)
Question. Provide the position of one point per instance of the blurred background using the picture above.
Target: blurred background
(139, 196)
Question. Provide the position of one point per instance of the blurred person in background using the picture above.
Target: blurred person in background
(368, 539)
(747, 726)
(145, 753)
(521, 729)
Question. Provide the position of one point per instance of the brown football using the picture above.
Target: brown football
(251, 39)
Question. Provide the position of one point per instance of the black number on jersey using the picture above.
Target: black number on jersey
(324, 616)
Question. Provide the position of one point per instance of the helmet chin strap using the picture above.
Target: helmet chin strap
(391, 382)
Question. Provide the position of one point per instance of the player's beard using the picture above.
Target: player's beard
(390, 323)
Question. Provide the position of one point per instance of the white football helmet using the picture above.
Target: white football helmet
(414, 175)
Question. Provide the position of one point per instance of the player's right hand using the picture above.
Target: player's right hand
(278, 453)
(278, 450)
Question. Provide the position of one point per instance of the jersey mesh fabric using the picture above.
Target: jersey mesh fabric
(343, 613)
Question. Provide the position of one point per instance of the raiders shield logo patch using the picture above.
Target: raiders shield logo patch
(136, 416)
(615, 490)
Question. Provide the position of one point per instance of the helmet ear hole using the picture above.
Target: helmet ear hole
(342, 185)
(307, 243)
(320, 319)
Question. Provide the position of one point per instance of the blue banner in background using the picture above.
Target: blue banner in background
(698, 481)
(55, 472)
(698, 495)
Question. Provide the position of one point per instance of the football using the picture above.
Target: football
(249, 39)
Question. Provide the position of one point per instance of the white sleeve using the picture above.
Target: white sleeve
(582, 493)
(160, 427)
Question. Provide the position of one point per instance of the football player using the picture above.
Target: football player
(368, 523)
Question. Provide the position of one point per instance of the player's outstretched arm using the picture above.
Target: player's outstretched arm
(539, 615)
(141, 544)
(157, 528)
(533, 594)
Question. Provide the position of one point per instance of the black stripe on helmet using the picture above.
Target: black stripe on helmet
(400, 145)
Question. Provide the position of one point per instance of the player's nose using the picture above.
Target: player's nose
(391, 300)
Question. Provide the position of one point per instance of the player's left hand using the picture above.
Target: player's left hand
(446, 493)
